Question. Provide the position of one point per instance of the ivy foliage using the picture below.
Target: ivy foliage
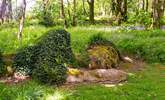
(47, 60)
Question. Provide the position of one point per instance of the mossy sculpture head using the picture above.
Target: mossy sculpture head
(102, 53)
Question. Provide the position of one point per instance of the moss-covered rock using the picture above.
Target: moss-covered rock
(102, 53)
(103, 57)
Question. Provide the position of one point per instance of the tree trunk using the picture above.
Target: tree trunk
(120, 7)
(84, 10)
(21, 22)
(147, 5)
(74, 13)
(63, 14)
(113, 7)
(3, 10)
(124, 12)
(91, 11)
(69, 12)
(157, 13)
(143, 4)
(9, 13)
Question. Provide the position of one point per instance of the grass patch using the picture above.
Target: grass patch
(148, 45)
(145, 85)
(143, 44)
(31, 90)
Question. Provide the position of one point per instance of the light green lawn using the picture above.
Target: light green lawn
(148, 84)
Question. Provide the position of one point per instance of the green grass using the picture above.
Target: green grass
(8, 40)
(148, 45)
(145, 85)
(29, 90)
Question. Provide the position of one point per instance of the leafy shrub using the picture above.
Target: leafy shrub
(49, 72)
(24, 60)
(47, 19)
(46, 61)
(2, 68)
(142, 17)
(55, 52)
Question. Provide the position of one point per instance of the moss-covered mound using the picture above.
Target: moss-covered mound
(102, 53)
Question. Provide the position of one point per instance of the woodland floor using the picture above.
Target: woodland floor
(145, 82)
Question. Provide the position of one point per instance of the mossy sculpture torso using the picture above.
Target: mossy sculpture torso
(46, 60)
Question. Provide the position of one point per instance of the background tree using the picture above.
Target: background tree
(157, 13)
(21, 22)
(91, 11)
(147, 3)
(74, 13)
(3, 10)
(120, 10)
(9, 10)
(63, 14)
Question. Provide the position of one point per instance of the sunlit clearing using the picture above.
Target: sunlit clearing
(55, 96)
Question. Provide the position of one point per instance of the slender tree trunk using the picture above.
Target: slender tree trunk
(124, 12)
(84, 10)
(143, 4)
(63, 14)
(120, 10)
(3, 11)
(147, 5)
(9, 10)
(74, 13)
(21, 22)
(157, 13)
(113, 7)
(69, 12)
(91, 11)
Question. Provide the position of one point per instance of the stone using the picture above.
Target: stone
(74, 79)
(98, 75)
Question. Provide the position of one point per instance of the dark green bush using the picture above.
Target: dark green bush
(47, 60)
(50, 72)
(55, 52)
(2, 68)
(47, 20)
(25, 59)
